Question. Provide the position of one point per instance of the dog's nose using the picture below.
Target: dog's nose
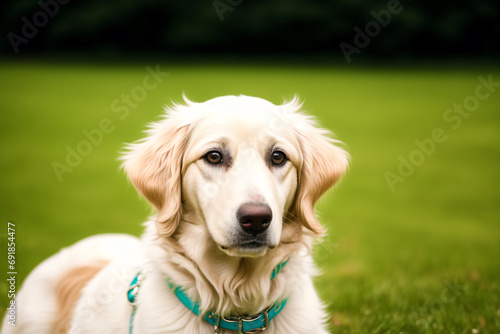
(254, 218)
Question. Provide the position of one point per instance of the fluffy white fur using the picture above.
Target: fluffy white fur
(195, 239)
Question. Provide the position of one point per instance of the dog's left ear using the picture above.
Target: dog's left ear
(323, 165)
(154, 166)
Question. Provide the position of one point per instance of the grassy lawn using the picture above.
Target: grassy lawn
(420, 256)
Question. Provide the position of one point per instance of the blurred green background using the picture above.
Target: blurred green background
(413, 231)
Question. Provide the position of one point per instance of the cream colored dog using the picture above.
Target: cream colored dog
(234, 181)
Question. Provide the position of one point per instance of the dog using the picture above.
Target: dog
(234, 182)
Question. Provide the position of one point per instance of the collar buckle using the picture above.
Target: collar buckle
(266, 315)
(257, 330)
(216, 326)
(240, 322)
(240, 325)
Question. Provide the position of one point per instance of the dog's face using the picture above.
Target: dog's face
(248, 170)
(241, 174)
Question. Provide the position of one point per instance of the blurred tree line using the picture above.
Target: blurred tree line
(432, 28)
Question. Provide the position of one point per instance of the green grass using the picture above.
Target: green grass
(389, 255)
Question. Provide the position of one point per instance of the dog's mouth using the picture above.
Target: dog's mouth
(247, 248)
(252, 244)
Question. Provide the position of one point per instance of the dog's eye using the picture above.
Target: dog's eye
(278, 158)
(213, 157)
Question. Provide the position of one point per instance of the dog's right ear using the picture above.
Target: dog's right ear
(154, 165)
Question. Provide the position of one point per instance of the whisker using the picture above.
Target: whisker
(291, 214)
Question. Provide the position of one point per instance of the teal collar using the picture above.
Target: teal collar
(241, 324)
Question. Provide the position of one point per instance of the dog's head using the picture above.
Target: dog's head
(247, 170)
